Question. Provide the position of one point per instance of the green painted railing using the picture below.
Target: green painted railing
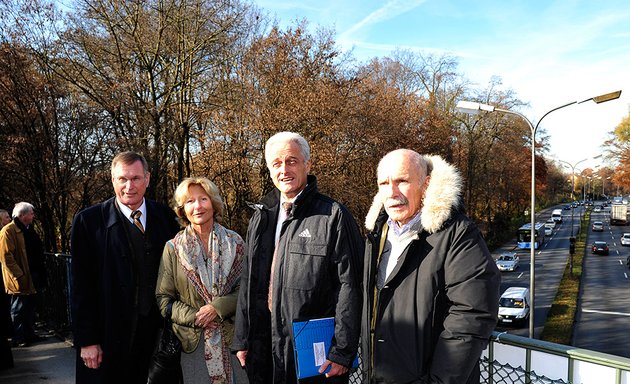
(516, 359)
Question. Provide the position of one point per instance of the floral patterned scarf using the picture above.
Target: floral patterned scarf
(212, 276)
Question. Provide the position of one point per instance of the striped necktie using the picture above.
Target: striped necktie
(286, 206)
(136, 220)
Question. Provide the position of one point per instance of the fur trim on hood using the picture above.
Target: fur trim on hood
(442, 195)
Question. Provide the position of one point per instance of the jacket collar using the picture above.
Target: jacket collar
(441, 199)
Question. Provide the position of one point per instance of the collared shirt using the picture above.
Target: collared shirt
(282, 215)
(127, 212)
(400, 230)
(398, 238)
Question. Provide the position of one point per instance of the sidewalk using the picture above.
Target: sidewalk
(52, 361)
(49, 361)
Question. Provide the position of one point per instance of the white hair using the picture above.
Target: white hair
(282, 137)
(22, 208)
(419, 161)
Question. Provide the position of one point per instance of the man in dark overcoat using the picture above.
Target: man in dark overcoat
(115, 258)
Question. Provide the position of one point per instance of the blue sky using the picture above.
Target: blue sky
(549, 52)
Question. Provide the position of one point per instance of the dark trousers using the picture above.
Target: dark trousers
(144, 344)
(130, 366)
(261, 368)
(23, 317)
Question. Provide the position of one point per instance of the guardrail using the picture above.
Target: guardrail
(54, 300)
(517, 359)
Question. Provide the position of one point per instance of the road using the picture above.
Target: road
(550, 259)
(604, 310)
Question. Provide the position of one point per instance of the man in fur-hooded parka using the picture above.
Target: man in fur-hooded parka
(431, 287)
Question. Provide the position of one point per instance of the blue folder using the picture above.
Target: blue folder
(311, 343)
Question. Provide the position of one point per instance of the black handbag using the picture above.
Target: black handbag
(165, 365)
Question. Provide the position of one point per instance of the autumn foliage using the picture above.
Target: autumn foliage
(198, 86)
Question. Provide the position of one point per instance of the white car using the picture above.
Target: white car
(625, 239)
(508, 261)
(514, 306)
(550, 223)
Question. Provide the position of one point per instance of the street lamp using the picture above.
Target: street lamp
(471, 107)
(571, 238)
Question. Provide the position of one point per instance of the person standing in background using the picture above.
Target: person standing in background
(37, 266)
(17, 275)
(6, 325)
(5, 218)
(116, 248)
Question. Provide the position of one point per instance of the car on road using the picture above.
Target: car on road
(597, 208)
(551, 223)
(566, 207)
(514, 306)
(625, 239)
(508, 261)
(548, 231)
(600, 248)
(597, 226)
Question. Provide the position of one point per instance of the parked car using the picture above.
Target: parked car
(514, 306)
(508, 261)
(625, 239)
(600, 248)
(597, 226)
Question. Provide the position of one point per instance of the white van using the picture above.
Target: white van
(556, 215)
(514, 306)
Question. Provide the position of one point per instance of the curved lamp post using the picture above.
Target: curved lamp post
(572, 166)
(471, 107)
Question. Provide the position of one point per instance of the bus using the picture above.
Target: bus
(523, 235)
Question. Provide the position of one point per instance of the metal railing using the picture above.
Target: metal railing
(53, 305)
(517, 359)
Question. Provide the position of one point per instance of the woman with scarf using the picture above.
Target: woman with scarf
(198, 282)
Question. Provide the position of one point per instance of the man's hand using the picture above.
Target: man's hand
(335, 369)
(92, 356)
(241, 356)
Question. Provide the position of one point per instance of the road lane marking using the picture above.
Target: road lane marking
(520, 275)
(625, 274)
(620, 262)
(606, 312)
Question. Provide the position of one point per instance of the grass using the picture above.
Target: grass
(561, 318)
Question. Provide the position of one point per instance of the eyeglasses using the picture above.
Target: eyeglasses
(133, 180)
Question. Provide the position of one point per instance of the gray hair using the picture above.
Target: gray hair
(281, 137)
(22, 208)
